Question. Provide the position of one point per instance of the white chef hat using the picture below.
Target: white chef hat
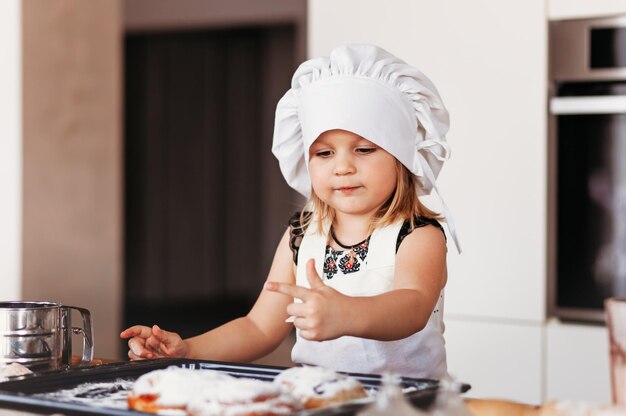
(367, 91)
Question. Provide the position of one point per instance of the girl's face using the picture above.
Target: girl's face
(350, 173)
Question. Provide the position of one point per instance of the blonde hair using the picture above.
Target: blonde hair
(403, 204)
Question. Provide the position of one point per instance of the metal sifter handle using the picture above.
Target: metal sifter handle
(87, 332)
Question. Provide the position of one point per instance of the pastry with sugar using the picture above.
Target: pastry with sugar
(171, 389)
(244, 397)
(317, 387)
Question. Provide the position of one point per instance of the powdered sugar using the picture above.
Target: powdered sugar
(275, 406)
(243, 397)
(13, 370)
(240, 391)
(309, 381)
(103, 394)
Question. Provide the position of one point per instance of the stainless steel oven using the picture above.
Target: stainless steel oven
(587, 166)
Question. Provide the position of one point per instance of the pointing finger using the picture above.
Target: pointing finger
(288, 289)
(136, 331)
(311, 275)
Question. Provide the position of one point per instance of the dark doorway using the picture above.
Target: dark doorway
(205, 204)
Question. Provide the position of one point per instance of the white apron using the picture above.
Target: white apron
(419, 355)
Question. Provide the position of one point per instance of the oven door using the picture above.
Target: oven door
(588, 205)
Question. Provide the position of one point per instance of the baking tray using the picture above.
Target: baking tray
(101, 390)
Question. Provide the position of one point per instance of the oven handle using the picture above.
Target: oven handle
(601, 104)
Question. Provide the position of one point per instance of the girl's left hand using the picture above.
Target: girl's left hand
(322, 314)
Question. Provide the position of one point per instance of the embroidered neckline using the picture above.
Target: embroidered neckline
(347, 261)
(345, 246)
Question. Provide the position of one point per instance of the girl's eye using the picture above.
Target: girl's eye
(323, 153)
(365, 150)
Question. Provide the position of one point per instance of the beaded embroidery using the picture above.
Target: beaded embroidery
(346, 261)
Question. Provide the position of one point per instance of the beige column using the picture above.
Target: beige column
(72, 159)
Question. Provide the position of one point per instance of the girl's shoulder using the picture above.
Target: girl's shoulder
(297, 227)
(418, 222)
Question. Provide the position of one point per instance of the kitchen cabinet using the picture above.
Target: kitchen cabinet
(532, 363)
(497, 358)
(577, 362)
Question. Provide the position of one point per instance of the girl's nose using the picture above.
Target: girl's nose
(343, 165)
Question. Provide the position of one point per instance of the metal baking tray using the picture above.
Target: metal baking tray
(102, 390)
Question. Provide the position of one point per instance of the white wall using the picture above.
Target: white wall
(10, 150)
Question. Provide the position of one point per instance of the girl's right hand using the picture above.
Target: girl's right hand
(145, 342)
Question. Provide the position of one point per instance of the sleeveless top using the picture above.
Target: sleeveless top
(421, 355)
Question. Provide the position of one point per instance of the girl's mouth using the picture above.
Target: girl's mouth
(347, 189)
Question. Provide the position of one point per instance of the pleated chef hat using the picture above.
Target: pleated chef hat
(367, 91)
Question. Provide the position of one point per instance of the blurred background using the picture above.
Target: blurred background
(137, 179)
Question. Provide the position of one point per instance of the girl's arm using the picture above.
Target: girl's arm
(243, 339)
(420, 275)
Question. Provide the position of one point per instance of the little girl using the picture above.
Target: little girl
(361, 270)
